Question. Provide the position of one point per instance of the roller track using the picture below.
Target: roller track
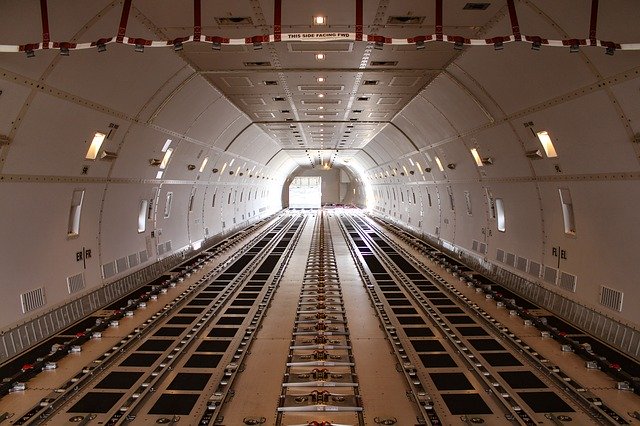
(169, 367)
(461, 363)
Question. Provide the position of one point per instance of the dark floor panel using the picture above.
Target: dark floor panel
(460, 319)
(178, 404)
(437, 360)
(205, 295)
(223, 332)
(501, 359)
(189, 381)
(199, 302)
(181, 320)
(140, 360)
(466, 404)
(252, 296)
(230, 320)
(191, 310)
(119, 380)
(399, 302)
(155, 345)
(522, 379)
(486, 345)
(472, 331)
(203, 361)
(450, 310)
(393, 295)
(237, 311)
(400, 311)
(410, 320)
(96, 402)
(451, 381)
(545, 402)
(242, 302)
(434, 295)
(427, 346)
(169, 331)
(213, 346)
(442, 302)
(418, 331)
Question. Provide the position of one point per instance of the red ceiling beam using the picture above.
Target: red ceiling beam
(124, 18)
(44, 15)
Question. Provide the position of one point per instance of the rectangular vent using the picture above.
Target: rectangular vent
(383, 63)
(321, 88)
(160, 248)
(279, 99)
(321, 102)
(144, 256)
(534, 268)
(122, 264)
(167, 246)
(33, 299)
(370, 82)
(109, 270)
(521, 264)
(133, 260)
(511, 259)
(476, 6)
(270, 83)
(550, 275)
(611, 298)
(75, 283)
(567, 282)
(405, 20)
(363, 98)
(234, 20)
(500, 255)
(482, 248)
(474, 245)
(257, 64)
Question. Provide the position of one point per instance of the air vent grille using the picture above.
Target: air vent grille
(567, 282)
(511, 259)
(474, 245)
(257, 64)
(133, 260)
(122, 264)
(160, 248)
(370, 82)
(476, 6)
(75, 283)
(611, 298)
(534, 268)
(383, 63)
(550, 275)
(500, 255)
(482, 248)
(521, 264)
(405, 20)
(321, 88)
(33, 299)
(167, 246)
(109, 270)
(144, 256)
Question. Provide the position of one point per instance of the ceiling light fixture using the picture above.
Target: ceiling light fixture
(498, 45)
(257, 45)
(30, 53)
(64, 51)
(320, 56)
(378, 45)
(420, 45)
(101, 47)
(139, 48)
(321, 95)
(320, 79)
(610, 50)
(216, 45)
(178, 46)
(458, 45)
(319, 20)
(574, 48)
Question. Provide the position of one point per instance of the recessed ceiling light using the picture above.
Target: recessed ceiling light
(319, 20)
(321, 116)
(320, 107)
(321, 95)
(320, 79)
(320, 56)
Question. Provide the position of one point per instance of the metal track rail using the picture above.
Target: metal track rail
(384, 259)
(320, 374)
(205, 300)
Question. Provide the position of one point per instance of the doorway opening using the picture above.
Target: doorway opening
(305, 192)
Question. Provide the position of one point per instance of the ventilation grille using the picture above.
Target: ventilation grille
(133, 260)
(144, 256)
(160, 249)
(521, 264)
(108, 270)
(384, 63)
(122, 264)
(75, 283)
(500, 255)
(167, 246)
(511, 259)
(474, 246)
(567, 282)
(234, 20)
(405, 20)
(482, 248)
(611, 298)
(534, 268)
(550, 275)
(33, 299)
